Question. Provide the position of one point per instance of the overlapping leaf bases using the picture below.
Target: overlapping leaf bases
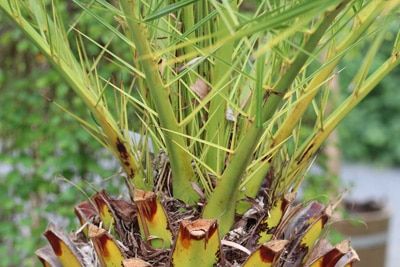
(225, 96)
(116, 231)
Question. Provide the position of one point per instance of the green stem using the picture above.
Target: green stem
(221, 73)
(180, 160)
(312, 144)
(311, 91)
(222, 202)
(223, 207)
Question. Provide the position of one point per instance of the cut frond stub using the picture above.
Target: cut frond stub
(107, 250)
(197, 244)
(47, 257)
(267, 254)
(63, 248)
(153, 222)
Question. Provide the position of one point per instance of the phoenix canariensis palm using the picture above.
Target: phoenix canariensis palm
(217, 94)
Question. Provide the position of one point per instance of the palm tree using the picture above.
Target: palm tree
(217, 94)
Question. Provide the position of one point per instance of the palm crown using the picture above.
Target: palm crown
(218, 96)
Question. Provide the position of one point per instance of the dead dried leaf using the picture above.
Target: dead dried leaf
(200, 88)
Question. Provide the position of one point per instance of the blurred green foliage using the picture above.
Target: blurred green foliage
(370, 133)
(39, 143)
